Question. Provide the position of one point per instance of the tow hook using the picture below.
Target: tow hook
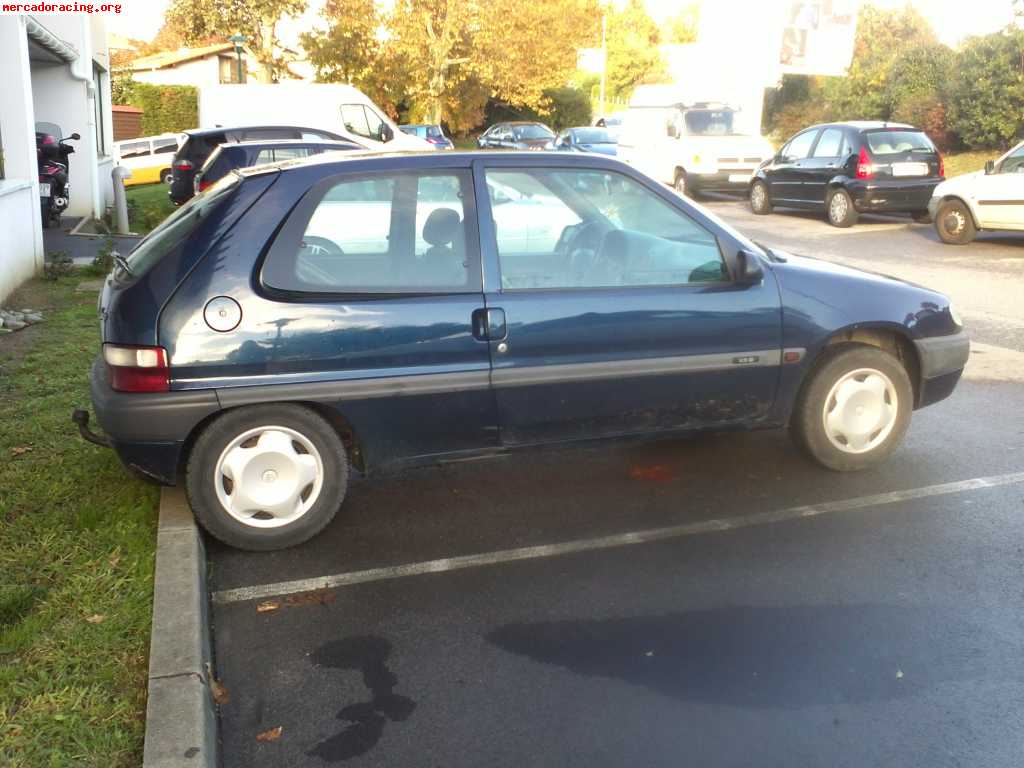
(81, 418)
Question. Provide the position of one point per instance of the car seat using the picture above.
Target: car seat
(444, 262)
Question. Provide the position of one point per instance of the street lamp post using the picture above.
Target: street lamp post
(604, 58)
(238, 41)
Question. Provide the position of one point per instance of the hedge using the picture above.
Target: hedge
(165, 108)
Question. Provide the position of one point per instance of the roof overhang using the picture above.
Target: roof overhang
(44, 39)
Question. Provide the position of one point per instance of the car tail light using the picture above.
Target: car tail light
(137, 369)
(182, 165)
(865, 170)
(942, 167)
(204, 184)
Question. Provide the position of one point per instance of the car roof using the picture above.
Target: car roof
(867, 125)
(271, 143)
(200, 132)
(375, 160)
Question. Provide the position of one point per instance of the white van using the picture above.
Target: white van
(341, 109)
(148, 157)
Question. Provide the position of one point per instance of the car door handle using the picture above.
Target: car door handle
(489, 324)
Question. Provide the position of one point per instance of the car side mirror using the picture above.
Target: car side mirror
(673, 132)
(750, 271)
(74, 137)
(990, 167)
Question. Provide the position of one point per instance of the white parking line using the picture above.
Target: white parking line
(605, 542)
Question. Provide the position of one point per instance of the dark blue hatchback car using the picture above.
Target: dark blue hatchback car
(374, 310)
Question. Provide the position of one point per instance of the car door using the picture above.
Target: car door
(378, 290)
(787, 176)
(824, 162)
(999, 196)
(623, 319)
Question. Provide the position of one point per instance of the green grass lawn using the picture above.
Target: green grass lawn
(966, 162)
(77, 539)
(148, 205)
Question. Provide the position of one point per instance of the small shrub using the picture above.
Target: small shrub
(103, 261)
(58, 264)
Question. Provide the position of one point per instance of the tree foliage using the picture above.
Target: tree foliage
(633, 55)
(348, 50)
(198, 20)
(165, 108)
(682, 28)
(987, 102)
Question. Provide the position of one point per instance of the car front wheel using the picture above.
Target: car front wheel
(267, 476)
(854, 409)
(760, 203)
(840, 210)
(954, 223)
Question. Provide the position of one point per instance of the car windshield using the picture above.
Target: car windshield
(709, 122)
(898, 142)
(594, 136)
(532, 132)
(434, 131)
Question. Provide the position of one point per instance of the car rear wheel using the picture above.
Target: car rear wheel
(167, 176)
(854, 409)
(954, 223)
(760, 203)
(679, 184)
(840, 210)
(267, 476)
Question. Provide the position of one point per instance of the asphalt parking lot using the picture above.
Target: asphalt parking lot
(715, 601)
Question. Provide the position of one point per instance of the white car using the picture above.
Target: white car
(992, 199)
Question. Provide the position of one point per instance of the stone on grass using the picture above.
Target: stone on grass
(14, 325)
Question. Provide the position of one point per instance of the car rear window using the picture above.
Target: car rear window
(175, 228)
(898, 142)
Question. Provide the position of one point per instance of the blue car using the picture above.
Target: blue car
(599, 140)
(298, 320)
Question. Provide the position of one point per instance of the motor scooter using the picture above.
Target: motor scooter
(52, 156)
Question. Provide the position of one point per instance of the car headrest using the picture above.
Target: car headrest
(441, 226)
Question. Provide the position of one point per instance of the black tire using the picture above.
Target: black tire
(760, 201)
(921, 217)
(808, 424)
(680, 184)
(954, 223)
(841, 212)
(167, 176)
(200, 476)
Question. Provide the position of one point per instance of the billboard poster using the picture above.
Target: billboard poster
(817, 37)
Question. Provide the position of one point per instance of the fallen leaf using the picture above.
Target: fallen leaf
(318, 597)
(272, 734)
(649, 653)
(267, 606)
(899, 674)
(96, 618)
(219, 692)
(20, 449)
(114, 559)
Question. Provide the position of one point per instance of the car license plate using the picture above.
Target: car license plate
(739, 178)
(44, 190)
(910, 169)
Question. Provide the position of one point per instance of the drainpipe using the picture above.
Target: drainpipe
(90, 122)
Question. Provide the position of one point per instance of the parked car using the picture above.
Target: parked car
(228, 157)
(613, 123)
(992, 199)
(149, 158)
(371, 311)
(598, 140)
(516, 135)
(431, 133)
(696, 148)
(199, 144)
(846, 169)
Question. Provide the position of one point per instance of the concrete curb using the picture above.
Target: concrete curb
(181, 720)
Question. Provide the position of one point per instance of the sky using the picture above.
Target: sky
(951, 18)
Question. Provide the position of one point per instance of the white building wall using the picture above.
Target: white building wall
(198, 72)
(21, 234)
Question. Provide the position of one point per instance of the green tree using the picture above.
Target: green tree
(347, 51)
(987, 90)
(918, 90)
(682, 28)
(633, 55)
(881, 36)
(198, 20)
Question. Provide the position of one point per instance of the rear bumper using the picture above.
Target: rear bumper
(892, 196)
(149, 430)
(942, 360)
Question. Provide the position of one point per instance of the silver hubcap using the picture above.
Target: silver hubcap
(860, 410)
(681, 184)
(268, 476)
(757, 196)
(838, 207)
(954, 222)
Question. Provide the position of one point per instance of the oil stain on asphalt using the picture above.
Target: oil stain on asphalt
(366, 719)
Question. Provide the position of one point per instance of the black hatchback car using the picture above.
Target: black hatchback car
(199, 145)
(846, 169)
(228, 157)
(374, 310)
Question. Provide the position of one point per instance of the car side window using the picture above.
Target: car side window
(830, 144)
(387, 233)
(594, 229)
(135, 149)
(165, 146)
(362, 121)
(799, 147)
(1014, 162)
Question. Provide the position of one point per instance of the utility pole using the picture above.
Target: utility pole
(604, 56)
